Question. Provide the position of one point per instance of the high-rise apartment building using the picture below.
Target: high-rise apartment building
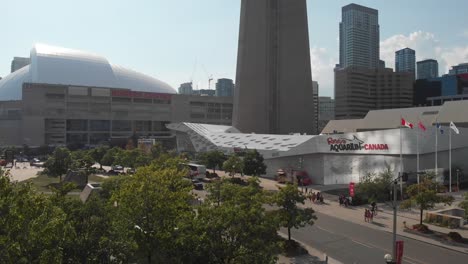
(359, 89)
(359, 37)
(326, 111)
(19, 62)
(186, 88)
(428, 69)
(315, 101)
(224, 87)
(405, 60)
(273, 80)
(459, 69)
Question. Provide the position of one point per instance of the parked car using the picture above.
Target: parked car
(197, 184)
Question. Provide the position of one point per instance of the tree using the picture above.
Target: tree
(234, 226)
(289, 214)
(373, 188)
(425, 195)
(233, 165)
(156, 150)
(58, 163)
(81, 159)
(32, 228)
(464, 204)
(98, 154)
(151, 206)
(212, 159)
(133, 158)
(111, 155)
(253, 163)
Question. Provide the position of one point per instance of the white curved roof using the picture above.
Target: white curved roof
(56, 65)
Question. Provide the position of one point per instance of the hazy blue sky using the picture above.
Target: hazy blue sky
(180, 40)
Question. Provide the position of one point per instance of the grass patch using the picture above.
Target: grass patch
(42, 182)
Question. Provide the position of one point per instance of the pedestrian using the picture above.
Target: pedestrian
(371, 216)
(374, 208)
(350, 200)
(366, 215)
(341, 199)
(314, 196)
(306, 190)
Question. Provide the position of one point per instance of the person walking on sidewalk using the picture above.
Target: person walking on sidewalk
(366, 215)
(374, 208)
(313, 197)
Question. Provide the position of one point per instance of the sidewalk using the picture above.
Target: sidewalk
(383, 221)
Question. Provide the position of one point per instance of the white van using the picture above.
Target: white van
(196, 171)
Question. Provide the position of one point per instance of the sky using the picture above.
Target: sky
(179, 41)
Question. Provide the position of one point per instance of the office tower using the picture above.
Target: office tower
(359, 37)
(381, 64)
(273, 80)
(459, 69)
(326, 111)
(19, 62)
(204, 92)
(405, 60)
(224, 87)
(315, 101)
(186, 88)
(359, 89)
(427, 69)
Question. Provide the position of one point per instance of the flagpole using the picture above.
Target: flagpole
(437, 132)
(417, 153)
(450, 159)
(401, 165)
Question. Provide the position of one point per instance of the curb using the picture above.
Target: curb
(313, 251)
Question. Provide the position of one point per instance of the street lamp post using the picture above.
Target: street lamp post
(458, 182)
(402, 177)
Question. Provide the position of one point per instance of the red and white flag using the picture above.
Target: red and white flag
(406, 123)
(421, 126)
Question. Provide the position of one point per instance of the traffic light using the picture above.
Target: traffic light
(404, 176)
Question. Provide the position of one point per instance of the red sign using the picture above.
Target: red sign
(399, 251)
(351, 189)
(350, 144)
(135, 94)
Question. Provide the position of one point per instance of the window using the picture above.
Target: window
(77, 125)
(99, 125)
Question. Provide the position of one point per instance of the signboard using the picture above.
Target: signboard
(135, 94)
(347, 144)
(351, 189)
(399, 251)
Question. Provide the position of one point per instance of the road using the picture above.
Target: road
(352, 243)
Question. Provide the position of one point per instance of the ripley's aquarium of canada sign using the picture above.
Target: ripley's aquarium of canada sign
(346, 144)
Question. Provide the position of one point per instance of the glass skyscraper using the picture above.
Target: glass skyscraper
(359, 37)
(405, 60)
(428, 69)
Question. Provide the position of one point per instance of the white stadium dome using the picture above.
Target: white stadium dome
(56, 65)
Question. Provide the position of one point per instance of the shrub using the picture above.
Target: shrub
(455, 236)
(421, 228)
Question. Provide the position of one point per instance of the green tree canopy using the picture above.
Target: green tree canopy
(98, 154)
(425, 195)
(238, 229)
(375, 188)
(253, 163)
(58, 163)
(32, 228)
(289, 213)
(151, 206)
(233, 165)
(111, 156)
(212, 159)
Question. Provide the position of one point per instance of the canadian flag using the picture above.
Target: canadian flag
(406, 123)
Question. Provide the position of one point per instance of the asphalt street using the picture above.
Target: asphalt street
(352, 243)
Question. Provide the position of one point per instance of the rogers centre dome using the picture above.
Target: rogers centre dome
(62, 66)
